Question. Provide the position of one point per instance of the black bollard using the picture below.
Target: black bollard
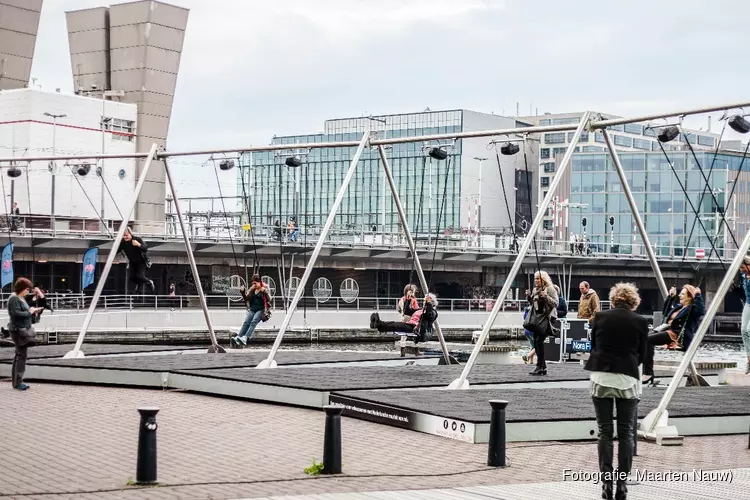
(146, 467)
(332, 440)
(496, 449)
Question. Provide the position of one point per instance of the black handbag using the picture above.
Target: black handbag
(540, 323)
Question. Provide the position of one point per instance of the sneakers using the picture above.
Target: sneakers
(239, 340)
(374, 320)
(21, 387)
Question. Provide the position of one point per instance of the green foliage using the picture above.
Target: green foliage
(315, 469)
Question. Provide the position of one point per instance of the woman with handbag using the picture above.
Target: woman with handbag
(21, 331)
(543, 300)
(618, 346)
(258, 302)
(682, 315)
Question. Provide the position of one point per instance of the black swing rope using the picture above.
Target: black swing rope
(511, 218)
(528, 189)
(226, 218)
(440, 218)
(418, 225)
(692, 207)
(256, 262)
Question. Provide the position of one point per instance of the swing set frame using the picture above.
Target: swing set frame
(654, 425)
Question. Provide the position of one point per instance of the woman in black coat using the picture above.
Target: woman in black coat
(544, 302)
(618, 345)
(682, 315)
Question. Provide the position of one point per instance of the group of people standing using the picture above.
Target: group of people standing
(579, 244)
(414, 320)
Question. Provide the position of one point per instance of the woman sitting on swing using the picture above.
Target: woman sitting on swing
(420, 322)
(682, 315)
(407, 305)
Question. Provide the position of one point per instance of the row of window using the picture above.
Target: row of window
(123, 130)
(628, 142)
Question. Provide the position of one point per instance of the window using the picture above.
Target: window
(544, 153)
(649, 132)
(549, 167)
(634, 128)
(623, 141)
(548, 224)
(705, 140)
(642, 144)
(599, 136)
(544, 122)
(618, 128)
(545, 181)
(592, 149)
(122, 130)
(559, 151)
(554, 138)
(584, 136)
(566, 121)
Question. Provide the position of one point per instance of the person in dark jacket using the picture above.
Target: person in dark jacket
(257, 300)
(619, 339)
(682, 315)
(420, 322)
(21, 331)
(562, 306)
(135, 250)
(543, 300)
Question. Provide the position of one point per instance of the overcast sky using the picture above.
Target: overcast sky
(254, 68)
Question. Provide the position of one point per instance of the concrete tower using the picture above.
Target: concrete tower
(19, 22)
(131, 52)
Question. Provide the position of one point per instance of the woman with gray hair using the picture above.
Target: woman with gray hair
(543, 300)
(619, 339)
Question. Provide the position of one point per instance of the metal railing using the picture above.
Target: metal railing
(458, 241)
(77, 302)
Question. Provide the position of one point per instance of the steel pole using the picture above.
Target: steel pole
(636, 215)
(76, 352)
(654, 416)
(462, 382)
(215, 347)
(645, 118)
(410, 243)
(269, 362)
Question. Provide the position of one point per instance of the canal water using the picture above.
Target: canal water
(708, 351)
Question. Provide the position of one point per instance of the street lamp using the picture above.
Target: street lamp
(479, 205)
(53, 166)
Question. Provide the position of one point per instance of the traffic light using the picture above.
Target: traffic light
(583, 221)
(611, 221)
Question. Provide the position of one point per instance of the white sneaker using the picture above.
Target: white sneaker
(241, 339)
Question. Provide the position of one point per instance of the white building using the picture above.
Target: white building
(629, 137)
(34, 123)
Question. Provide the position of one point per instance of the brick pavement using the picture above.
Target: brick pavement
(68, 441)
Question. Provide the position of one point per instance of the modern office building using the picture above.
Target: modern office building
(131, 52)
(628, 137)
(19, 22)
(457, 195)
(666, 211)
(34, 123)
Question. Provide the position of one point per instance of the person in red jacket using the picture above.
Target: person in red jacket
(420, 322)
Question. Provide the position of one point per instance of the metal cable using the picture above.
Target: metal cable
(89, 200)
(226, 220)
(528, 189)
(419, 215)
(31, 225)
(440, 216)
(505, 195)
(256, 262)
(687, 198)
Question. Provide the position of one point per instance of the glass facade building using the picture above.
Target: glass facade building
(665, 208)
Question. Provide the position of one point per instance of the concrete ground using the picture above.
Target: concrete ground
(72, 441)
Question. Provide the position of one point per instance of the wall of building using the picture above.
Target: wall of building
(26, 131)
(136, 48)
(19, 22)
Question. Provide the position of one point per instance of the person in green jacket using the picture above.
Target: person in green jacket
(21, 331)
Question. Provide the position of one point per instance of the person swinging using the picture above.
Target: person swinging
(420, 322)
(135, 250)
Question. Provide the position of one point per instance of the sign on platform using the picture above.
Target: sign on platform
(700, 253)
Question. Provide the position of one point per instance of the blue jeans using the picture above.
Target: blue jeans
(248, 326)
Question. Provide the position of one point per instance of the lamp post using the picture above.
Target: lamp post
(54, 166)
(479, 204)
(671, 232)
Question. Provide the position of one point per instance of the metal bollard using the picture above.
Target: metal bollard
(146, 467)
(332, 440)
(496, 449)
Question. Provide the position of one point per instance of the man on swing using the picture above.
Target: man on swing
(420, 322)
(135, 250)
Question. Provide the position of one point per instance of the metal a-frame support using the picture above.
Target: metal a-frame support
(152, 156)
(462, 382)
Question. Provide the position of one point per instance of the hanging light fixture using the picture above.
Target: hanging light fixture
(739, 124)
(83, 169)
(293, 161)
(226, 165)
(14, 172)
(438, 153)
(668, 134)
(510, 148)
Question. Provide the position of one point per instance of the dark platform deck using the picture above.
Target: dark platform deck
(59, 350)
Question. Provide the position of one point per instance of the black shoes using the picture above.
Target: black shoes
(607, 493)
(539, 371)
(4, 333)
(622, 491)
(374, 320)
